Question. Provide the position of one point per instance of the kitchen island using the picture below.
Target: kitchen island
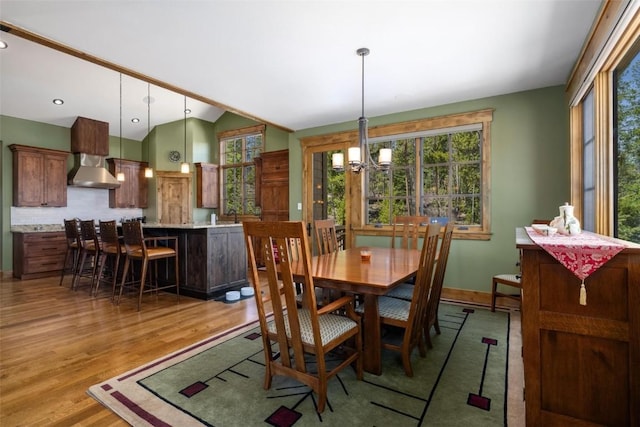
(212, 258)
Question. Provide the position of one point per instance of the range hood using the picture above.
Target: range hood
(89, 171)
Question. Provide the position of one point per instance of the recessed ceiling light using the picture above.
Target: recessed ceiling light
(135, 120)
(3, 44)
(58, 101)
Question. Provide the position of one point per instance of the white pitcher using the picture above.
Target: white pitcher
(566, 223)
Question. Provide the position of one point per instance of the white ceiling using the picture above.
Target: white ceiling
(291, 62)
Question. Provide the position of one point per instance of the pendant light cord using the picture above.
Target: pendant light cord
(120, 116)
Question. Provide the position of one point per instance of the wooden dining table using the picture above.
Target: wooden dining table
(345, 271)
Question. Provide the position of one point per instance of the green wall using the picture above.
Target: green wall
(529, 168)
(529, 176)
(35, 134)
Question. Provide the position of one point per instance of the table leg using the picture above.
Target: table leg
(371, 324)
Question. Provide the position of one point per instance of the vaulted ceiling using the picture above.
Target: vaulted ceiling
(291, 63)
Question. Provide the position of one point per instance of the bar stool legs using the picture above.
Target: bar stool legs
(145, 250)
(72, 234)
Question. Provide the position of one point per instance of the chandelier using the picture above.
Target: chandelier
(359, 157)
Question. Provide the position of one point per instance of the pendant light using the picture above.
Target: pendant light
(148, 171)
(120, 175)
(359, 157)
(184, 166)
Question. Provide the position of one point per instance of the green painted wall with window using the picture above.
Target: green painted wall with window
(529, 175)
(530, 169)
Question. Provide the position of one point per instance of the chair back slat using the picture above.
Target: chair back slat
(438, 277)
(423, 281)
(326, 236)
(88, 234)
(407, 229)
(109, 236)
(71, 231)
(133, 238)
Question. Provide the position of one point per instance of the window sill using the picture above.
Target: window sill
(459, 233)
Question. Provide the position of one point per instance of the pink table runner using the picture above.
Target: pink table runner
(582, 254)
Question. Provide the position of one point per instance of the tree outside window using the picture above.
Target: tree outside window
(437, 175)
(627, 173)
(237, 154)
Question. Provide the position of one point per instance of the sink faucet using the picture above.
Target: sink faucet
(235, 215)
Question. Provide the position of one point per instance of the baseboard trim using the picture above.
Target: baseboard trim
(477, 298)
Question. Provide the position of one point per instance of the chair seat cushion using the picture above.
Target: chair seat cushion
(160, 252)
(391, 308)
(402, 291)
(507, 278)
(332, 326)
(113, 250)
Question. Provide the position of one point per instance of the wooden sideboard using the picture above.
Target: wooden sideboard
(581, 362)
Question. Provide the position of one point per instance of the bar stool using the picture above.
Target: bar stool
(111, 250)
(137, 250)
(89, 248)
(72, 234)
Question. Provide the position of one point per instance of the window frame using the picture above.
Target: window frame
(242, 133)
(417, 198)
(617, 29)
(355, 183)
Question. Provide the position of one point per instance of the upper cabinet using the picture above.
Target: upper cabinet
(133, 192)
(39, 176)
(207, 185)
(90, 136)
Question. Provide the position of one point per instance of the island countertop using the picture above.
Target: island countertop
(190, 226)
(44, 228)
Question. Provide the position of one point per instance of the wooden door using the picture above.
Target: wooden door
(274, 186)
(175, 197)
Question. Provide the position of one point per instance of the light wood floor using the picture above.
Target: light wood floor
(55, 343)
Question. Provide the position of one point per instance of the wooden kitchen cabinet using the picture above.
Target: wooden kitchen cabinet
(207, 185)
(133, 192)
(38, 254)
(211, 260)
(90, 136)
(39, 176)
(581, 362)
(272, 185)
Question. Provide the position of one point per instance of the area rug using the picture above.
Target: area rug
(463, 380)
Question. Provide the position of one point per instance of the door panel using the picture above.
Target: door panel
(174, 198)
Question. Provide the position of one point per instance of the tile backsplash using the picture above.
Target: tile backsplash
(83, 203)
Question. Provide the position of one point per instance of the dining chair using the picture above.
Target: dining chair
(406, 228)
(72, 235)
(89, 252)
(299, 331)
(433, 302)
(111, 250)
(326, 242)
(326, 236)
(147, 250)
(510, 279)
(408, 316)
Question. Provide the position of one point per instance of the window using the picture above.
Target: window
(605, 124)
(440, 168)
(588, 164)
(627, 148)
(238, 149)
(437, 173)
